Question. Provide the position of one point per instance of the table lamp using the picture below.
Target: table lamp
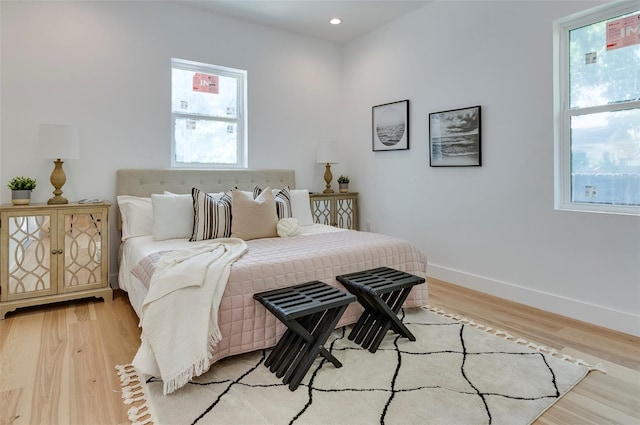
(326, 154)
(58, 141)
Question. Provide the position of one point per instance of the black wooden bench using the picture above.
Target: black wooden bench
(311, 312)
(381, 291)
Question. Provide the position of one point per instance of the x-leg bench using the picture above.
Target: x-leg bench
(381, 292)
(311, 312)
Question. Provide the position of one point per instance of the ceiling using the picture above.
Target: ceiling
(311, 17)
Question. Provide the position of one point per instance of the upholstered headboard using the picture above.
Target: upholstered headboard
(144, 182)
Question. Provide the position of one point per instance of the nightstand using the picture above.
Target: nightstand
(335, 209)
(51, 253)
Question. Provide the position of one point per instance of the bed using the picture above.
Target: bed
(318, 253)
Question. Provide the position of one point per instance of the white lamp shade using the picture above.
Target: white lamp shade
(327, 153)
(58, 141)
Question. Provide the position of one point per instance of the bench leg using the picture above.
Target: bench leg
(291, 343)
(320, 334)
(382, 324)
(368, 319)
(396, 324)
(301, 343)
(379, 316)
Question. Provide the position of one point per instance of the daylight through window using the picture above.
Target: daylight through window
(208, 116)
(598, 110)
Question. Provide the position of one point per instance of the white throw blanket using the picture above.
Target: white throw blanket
(180, 313)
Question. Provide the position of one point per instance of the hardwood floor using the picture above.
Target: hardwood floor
(57, 362)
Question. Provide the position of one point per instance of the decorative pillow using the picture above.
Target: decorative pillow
(301, 206)
(172, 216)
(211, 217)
(282, 198)
(137, 216)
(254, 218)
(288, 227)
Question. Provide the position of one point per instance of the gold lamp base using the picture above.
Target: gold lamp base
(58, 179)
(327, 178)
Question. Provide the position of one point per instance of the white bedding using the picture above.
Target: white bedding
(135, 249)
(322, 253)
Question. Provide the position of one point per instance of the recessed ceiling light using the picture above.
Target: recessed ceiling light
(335, 21)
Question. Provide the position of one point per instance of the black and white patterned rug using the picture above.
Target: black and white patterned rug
(457, 372)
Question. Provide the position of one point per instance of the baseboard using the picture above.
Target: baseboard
(591, 313)
(579, 310)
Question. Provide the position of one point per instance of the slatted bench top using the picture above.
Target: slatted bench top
(304, 299)
(380, 280)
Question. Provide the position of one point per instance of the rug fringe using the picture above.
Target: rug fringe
(505, 335)
(133, 392)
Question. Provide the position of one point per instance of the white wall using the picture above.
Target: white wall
(491, 228)
(105, 68)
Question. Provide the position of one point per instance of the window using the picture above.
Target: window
(208, 116)
(597, 110)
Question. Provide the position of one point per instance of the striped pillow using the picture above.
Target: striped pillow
(283, 201)
(211, 218)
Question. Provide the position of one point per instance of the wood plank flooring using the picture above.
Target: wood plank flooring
(57, 362)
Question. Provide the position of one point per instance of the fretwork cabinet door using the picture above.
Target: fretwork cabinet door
(335, 209)
(51, 253)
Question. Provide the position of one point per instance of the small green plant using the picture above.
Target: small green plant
(22, 183)
(343, 179)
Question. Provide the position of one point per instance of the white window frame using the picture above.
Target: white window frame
(241, 120)
(563, 113)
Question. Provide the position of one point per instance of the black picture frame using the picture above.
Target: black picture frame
(455, 138)
(390, 126)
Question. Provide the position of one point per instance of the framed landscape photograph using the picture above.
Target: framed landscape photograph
(454, 138)
(391, 126)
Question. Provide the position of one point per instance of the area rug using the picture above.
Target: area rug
(456, 372)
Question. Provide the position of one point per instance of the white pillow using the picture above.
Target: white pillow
(301, 206)
(172, 216)
(137, 216)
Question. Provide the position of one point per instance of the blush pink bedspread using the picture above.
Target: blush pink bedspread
(279, 262)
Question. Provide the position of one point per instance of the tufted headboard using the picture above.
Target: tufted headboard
(144, 182)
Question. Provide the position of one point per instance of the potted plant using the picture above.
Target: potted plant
(343, 183)
(21, 188)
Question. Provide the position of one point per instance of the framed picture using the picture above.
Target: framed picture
(391, 126)
(454, 138)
